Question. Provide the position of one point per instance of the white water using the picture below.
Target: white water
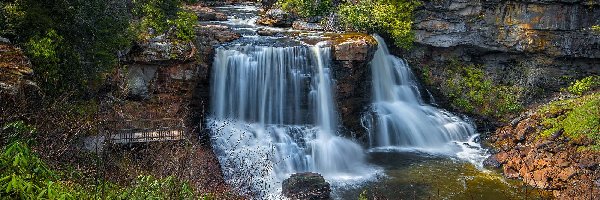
(402, 121)
(273, 115)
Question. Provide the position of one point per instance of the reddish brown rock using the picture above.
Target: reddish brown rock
(552, 163)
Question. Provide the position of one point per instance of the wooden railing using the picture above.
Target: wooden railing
(143, 130)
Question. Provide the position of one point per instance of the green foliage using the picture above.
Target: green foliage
(159, 16)
(25, 176)
(306, 8)
(471, 91)
(70, 42)
(184, 25)
(363, 195)
(596, 28)
(578, 118)
(17, 131)
(584, 85)
(148, 187)
(392, 17)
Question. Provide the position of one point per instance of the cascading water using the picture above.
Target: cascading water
(273, 115)
(402, 120)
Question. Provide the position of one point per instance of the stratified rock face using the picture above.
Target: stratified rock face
(538, 45)
(555, 28)
(351, 55)
(306, 185)
(170, 87)
(277, 18)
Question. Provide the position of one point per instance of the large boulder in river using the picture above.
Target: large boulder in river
(277, 18)
(306, 185)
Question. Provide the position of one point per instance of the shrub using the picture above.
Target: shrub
(148, 187)
(306, 8)
(159, 16)
(471, 91)
(25, 176)
(184, 25)
(596, 28)
(584, 85)
(388, 16)
(17, 131)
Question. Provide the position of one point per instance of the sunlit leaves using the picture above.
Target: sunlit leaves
(391, 17)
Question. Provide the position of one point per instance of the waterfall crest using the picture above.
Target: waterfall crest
(274, 114)
(401, 118)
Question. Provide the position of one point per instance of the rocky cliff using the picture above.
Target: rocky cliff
(167, 78)
(539, 45)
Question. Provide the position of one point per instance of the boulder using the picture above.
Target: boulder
(277, 18)
(307, 26)
(306, 185)
(161, 48)
(266, 32)
(353, 47)
(207, 14)
(139, 78)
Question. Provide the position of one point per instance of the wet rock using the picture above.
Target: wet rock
(492, 162)
(266, 32)
(306, 185)
(207, 14)
(351, 55)
(277, 18)
(307, 26)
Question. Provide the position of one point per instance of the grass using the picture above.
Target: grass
(578, 118)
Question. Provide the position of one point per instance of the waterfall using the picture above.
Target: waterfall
(401, 118)
(273, 114)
